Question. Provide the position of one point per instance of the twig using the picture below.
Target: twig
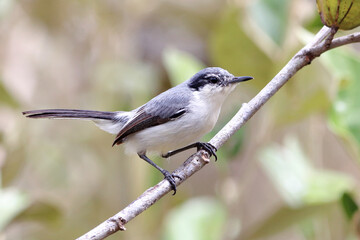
(340, 41)
(304, 57)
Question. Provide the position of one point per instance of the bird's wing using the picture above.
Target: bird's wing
(154, 113)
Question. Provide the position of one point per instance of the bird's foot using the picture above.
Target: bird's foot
(171, 179)
(208, 147)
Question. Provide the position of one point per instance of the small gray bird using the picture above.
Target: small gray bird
(173, 119)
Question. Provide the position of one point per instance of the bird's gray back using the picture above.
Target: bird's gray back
(169, 102)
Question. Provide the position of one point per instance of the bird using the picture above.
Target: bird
(169, 123)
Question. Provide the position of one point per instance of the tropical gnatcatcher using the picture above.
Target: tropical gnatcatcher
(175, 118)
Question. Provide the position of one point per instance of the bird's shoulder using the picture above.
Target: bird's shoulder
(169, 102)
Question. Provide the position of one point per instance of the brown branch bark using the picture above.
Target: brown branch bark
(322, 42)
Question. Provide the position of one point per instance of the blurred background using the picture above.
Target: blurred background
(292, 172)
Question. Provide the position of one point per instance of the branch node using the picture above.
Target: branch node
(120, 222)
(329, 39)
(205, 156)
(308, 55)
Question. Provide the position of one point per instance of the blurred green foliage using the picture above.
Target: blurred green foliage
(6, 98)
(271, 16)
(12, 202)
(344, 114)
(61, 178)
(227, 36)
(180, 65)
(349, 205)
(190, 218)
(297, 181)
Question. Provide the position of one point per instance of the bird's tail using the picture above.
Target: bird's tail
(110, 122)
(69, 113)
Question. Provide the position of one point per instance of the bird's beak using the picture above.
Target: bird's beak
(240, 79)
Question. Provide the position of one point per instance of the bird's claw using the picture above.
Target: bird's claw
(171, 179)
(208, 147)
(166, 155)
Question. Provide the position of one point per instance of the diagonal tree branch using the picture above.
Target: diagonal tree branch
(322, 42)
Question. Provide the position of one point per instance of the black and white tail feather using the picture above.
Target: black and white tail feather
(110, 122)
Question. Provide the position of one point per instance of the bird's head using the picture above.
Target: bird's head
(214, 81)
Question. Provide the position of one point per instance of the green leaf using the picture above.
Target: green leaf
(196, 219)
(327, 186)
(297, 181)
(349, 205)
(344, 113)
(272, 18)
(307, 191)
(289, 170)
(12, 203)
(180, 65)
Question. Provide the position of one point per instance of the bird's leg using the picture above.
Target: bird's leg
(168, 176)
(211, 149)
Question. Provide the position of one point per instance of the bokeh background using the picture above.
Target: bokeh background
(291, 173)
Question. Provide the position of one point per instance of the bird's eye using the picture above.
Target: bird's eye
(213, 79)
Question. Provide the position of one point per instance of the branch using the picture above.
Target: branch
(340, 41)
(322, 42)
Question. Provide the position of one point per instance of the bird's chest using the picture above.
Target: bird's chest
(204, 114)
